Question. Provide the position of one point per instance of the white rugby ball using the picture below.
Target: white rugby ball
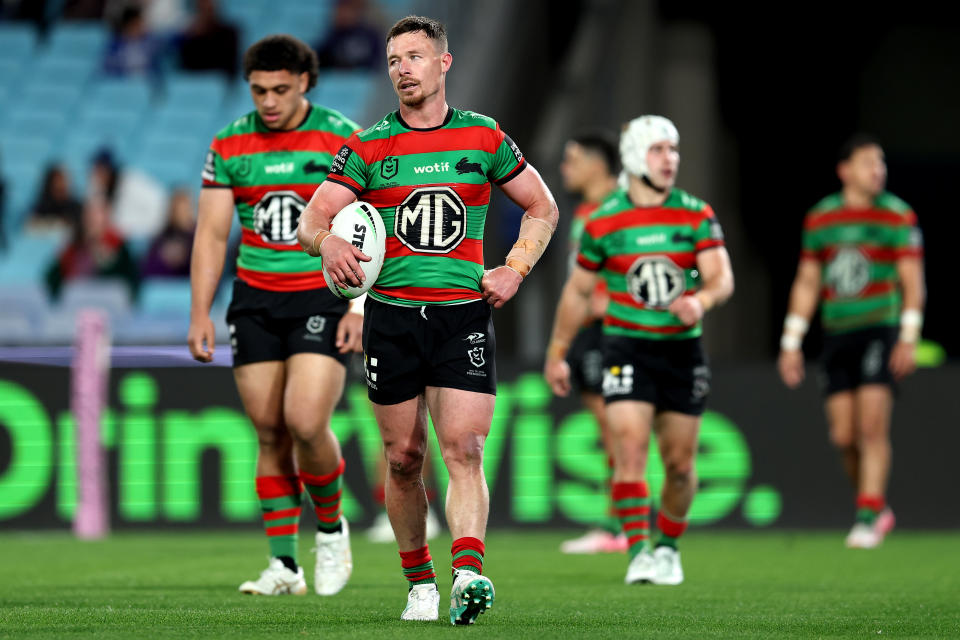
(360, 224)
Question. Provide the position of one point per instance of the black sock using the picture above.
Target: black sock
(288, 562)
(336, 529)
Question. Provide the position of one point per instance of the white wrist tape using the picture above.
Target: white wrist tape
(790, 342)
(796, 324)
(911, 324)
(356, 305)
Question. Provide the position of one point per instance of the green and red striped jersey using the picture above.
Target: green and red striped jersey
(273, 174)
(858, 250)
(648, 257)
(432, 189)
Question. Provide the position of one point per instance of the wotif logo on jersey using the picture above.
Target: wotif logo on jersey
(436, 167)
(281, 167)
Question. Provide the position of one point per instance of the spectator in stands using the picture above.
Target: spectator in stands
(133, 50)
(96, 250)
(55, 205)
(104, 175)
(209, 43)
(169, 253)
(353, 42)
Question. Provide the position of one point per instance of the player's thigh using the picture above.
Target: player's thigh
(630, 423)
(842, 418)
(403, 428)
(462, 422)
(677, 435)
(598, 408)
(392, 353)
(874, 406)
(313, 388)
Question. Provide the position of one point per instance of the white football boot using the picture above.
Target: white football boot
(641, 568)
(666, 566)
(380, 531)
(863, 536)
(423, 603)
(434, 528)
(471, 595)
(334, 560)
(276, 580)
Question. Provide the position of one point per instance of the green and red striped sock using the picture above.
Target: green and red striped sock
(418, 566)
(670, 530)
(467, 554)
(632, 503)
(280, 500)
(325, 492)
(869, 507)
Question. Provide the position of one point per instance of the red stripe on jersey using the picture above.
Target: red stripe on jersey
(616, 322)
(872, 289)
(401, 144)
(253, 239)
(253, 194)
(587, 264)
(345, 181)
(867, 216)
(248, 143)
(626, 299)
(620, 264)
(709, 243)
(429, 295)
(470, 249)
(473, 195)
(282, 281)
(599, 227)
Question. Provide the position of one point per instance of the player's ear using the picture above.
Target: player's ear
(842, 171)
(446, 59)
(304, 81)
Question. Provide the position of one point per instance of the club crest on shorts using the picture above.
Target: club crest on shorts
(316, 324)
(476, 357)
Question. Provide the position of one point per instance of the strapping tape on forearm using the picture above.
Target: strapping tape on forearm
(794, 328)
(911, 324)
(534, 236)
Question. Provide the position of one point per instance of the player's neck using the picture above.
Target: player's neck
(643, 196)
(857, 199)
(598, 190)
(429, 114)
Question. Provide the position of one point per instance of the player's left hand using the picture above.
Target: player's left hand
(499, 285)
(903, 359)
(350, 333)
(688, 308)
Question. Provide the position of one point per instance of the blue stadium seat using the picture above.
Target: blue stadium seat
(184, 120)
(196, 90)
(62, 69)
(19, 39)
(29, 255)
(108, 294)
(171, 159)
(133, 94)
(307, 21)
(78, 148)
(166, 297)
(23, 308)
(42, 122)
(23, 159)
(50, 96)
(346, 91)
(78, 39)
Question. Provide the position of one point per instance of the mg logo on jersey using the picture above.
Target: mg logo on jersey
(848, 272)
(431, 220)
(655, 281)
(276, 215)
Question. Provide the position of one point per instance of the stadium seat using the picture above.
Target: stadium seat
(166, 297)
(23, 309)
(62, 70)
(107, 294)
(49, 96)
(346, 91)
(41, 122)
(171, 159)
(23, 159)
(78, 39)
(184, 120)
(132, 94)
(29, 255)
(196, 90)
(19, 40)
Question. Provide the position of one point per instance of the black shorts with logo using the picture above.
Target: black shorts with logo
(858, 358)
(673, 375)
(586, 358)
(407, 349)
(269, 325)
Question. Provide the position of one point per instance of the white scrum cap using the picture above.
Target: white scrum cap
(637, 137)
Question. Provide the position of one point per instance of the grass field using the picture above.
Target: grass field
(183, 585)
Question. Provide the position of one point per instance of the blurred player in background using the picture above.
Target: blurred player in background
(590, 166)
(863, 257)
(290, 336)
(381, 531)
(661, 253)
(428, 336)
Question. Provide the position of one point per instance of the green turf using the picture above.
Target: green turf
(183, 585)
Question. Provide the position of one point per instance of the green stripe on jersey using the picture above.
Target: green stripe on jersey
(269, 260)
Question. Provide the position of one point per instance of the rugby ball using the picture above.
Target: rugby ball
(360, 224)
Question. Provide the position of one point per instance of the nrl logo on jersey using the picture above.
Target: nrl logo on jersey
(431, 220)
(276, 216)
(389, 167)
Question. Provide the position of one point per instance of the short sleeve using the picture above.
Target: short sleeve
(812, 245)
(215, 172)
(590, 255)
(708, 233)
(908, 241)
(508, 161)
(348, 167)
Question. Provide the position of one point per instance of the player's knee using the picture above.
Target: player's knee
(404, 462)
(464, 452)
(678, 468)
(274, 438)
(872, 428)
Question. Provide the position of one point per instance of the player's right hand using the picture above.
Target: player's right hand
(342, 261)
(201, 338)
(790, 365)
(557, 374)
